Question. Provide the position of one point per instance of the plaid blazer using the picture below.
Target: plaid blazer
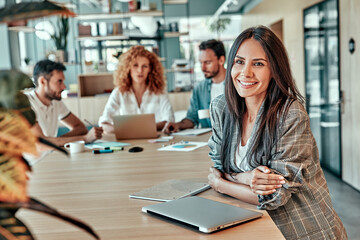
(302, 208)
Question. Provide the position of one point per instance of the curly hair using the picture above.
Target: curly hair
(122, 77)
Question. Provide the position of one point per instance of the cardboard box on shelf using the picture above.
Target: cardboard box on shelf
(117, 28)
(84, 30)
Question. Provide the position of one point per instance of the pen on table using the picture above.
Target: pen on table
(114, 148)
(98, 151)
(108, 150)
(88, 122)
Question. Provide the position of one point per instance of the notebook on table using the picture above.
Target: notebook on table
(137, 126)
(172, 189)
(204, 214)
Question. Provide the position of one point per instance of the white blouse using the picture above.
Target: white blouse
(217, 89)
(240, 159)
(125, 103)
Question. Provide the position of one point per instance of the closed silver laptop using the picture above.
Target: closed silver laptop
(137, 126)
(204, 214)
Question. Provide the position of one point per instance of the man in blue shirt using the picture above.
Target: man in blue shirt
(212, 59)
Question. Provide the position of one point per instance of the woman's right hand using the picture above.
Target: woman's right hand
(171, 127)
(214, 178)
(263, 182)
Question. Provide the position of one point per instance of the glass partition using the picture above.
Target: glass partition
(321, 42)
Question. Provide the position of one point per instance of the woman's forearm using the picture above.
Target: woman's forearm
(237, 190)
(160, 125)
(243, 177)
(107, 127)
(246, 185)
(260, 180)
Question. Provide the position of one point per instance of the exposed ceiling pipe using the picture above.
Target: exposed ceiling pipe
(223, 8)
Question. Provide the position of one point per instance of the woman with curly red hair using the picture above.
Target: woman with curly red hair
(140, 83)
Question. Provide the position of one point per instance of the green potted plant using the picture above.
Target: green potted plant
(60, 37)
(219, 25)
(16, 138)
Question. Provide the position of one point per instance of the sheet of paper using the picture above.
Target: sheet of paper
(183, 146)
(192, 132)
(161, 139)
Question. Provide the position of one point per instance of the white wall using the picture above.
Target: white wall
(350, 85)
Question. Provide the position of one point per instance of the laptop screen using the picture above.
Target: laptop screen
(137, 126)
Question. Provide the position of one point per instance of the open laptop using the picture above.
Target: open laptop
(137, 126)
(204, 214)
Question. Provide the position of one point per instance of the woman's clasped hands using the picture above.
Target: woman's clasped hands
(260, 180)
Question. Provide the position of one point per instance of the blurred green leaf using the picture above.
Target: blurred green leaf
(13, 179)
(219, 25)
(15, 134)
(60, 35)
(11, 97)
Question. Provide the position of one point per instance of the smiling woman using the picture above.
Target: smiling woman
(251, 71)
(262, 146)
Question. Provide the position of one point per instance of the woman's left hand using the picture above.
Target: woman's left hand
(214, 178)
(263, 182)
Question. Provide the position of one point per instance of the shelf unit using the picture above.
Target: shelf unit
(117, 16)
(164, 40)
(175, 2)
(25, 29)
(120, 40)
(101, 38)
(171, 39)
(175, 34)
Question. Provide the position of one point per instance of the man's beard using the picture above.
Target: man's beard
(51, 95)
(211, 74)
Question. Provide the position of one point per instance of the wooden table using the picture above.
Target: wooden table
(95, 189)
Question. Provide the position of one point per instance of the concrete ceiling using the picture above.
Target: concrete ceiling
(194, 8)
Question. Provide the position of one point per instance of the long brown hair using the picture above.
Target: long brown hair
(281, 89)
(155, 80)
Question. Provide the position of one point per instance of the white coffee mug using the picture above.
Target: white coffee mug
(204, 113)
(75, 147)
